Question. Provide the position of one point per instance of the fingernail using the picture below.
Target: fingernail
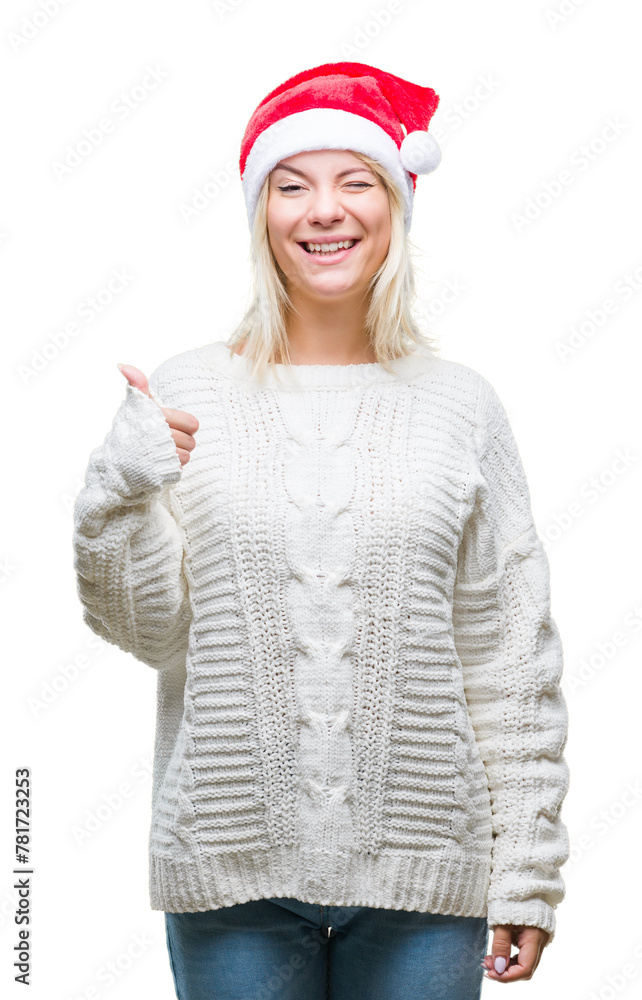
(500, 963)
(120, 367)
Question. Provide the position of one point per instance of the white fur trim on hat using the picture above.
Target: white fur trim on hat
(322, 128)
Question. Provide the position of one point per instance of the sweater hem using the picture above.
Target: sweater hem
(447, 882)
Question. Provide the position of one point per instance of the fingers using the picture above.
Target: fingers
(180, 420)
(520, 966)
(183, 439)
(500, 951)
(135, 377)
(185, 443)
(182, 424)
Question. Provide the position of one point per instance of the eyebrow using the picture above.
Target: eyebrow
(301, 173)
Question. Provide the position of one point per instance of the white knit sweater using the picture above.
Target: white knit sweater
(347, 604)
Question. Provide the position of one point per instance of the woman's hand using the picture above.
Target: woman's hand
(531, 942)
(182, 425)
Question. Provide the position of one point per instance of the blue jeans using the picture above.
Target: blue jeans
(282, 949)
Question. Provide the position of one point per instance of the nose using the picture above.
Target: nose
(325, 207)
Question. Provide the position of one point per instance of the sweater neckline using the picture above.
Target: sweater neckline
(218, 355)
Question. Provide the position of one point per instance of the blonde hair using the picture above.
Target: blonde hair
(390, 325)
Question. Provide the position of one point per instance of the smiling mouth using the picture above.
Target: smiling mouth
(328, 249)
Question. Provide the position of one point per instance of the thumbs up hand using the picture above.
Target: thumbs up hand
(182, 425)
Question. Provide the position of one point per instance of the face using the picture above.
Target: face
(326, 196)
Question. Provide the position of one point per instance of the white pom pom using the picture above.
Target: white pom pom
(420, 153)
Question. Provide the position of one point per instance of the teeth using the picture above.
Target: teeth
(329, 247)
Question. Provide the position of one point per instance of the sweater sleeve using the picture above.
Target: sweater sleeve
(511, 656)
(128, 548)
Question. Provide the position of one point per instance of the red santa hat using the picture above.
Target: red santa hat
(342, 105)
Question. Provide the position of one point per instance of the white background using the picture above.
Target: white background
(527, 90)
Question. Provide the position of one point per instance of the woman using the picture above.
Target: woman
(320, 535)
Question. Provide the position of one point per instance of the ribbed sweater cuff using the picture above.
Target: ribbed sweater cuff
(529, 913)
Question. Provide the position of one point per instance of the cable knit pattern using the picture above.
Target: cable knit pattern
(347, 605)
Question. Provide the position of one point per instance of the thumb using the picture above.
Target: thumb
(500, 951)
(135, 377)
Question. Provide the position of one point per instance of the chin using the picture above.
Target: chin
(328, 289)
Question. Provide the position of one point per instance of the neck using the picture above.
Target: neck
(328, 333)
(231, 364)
